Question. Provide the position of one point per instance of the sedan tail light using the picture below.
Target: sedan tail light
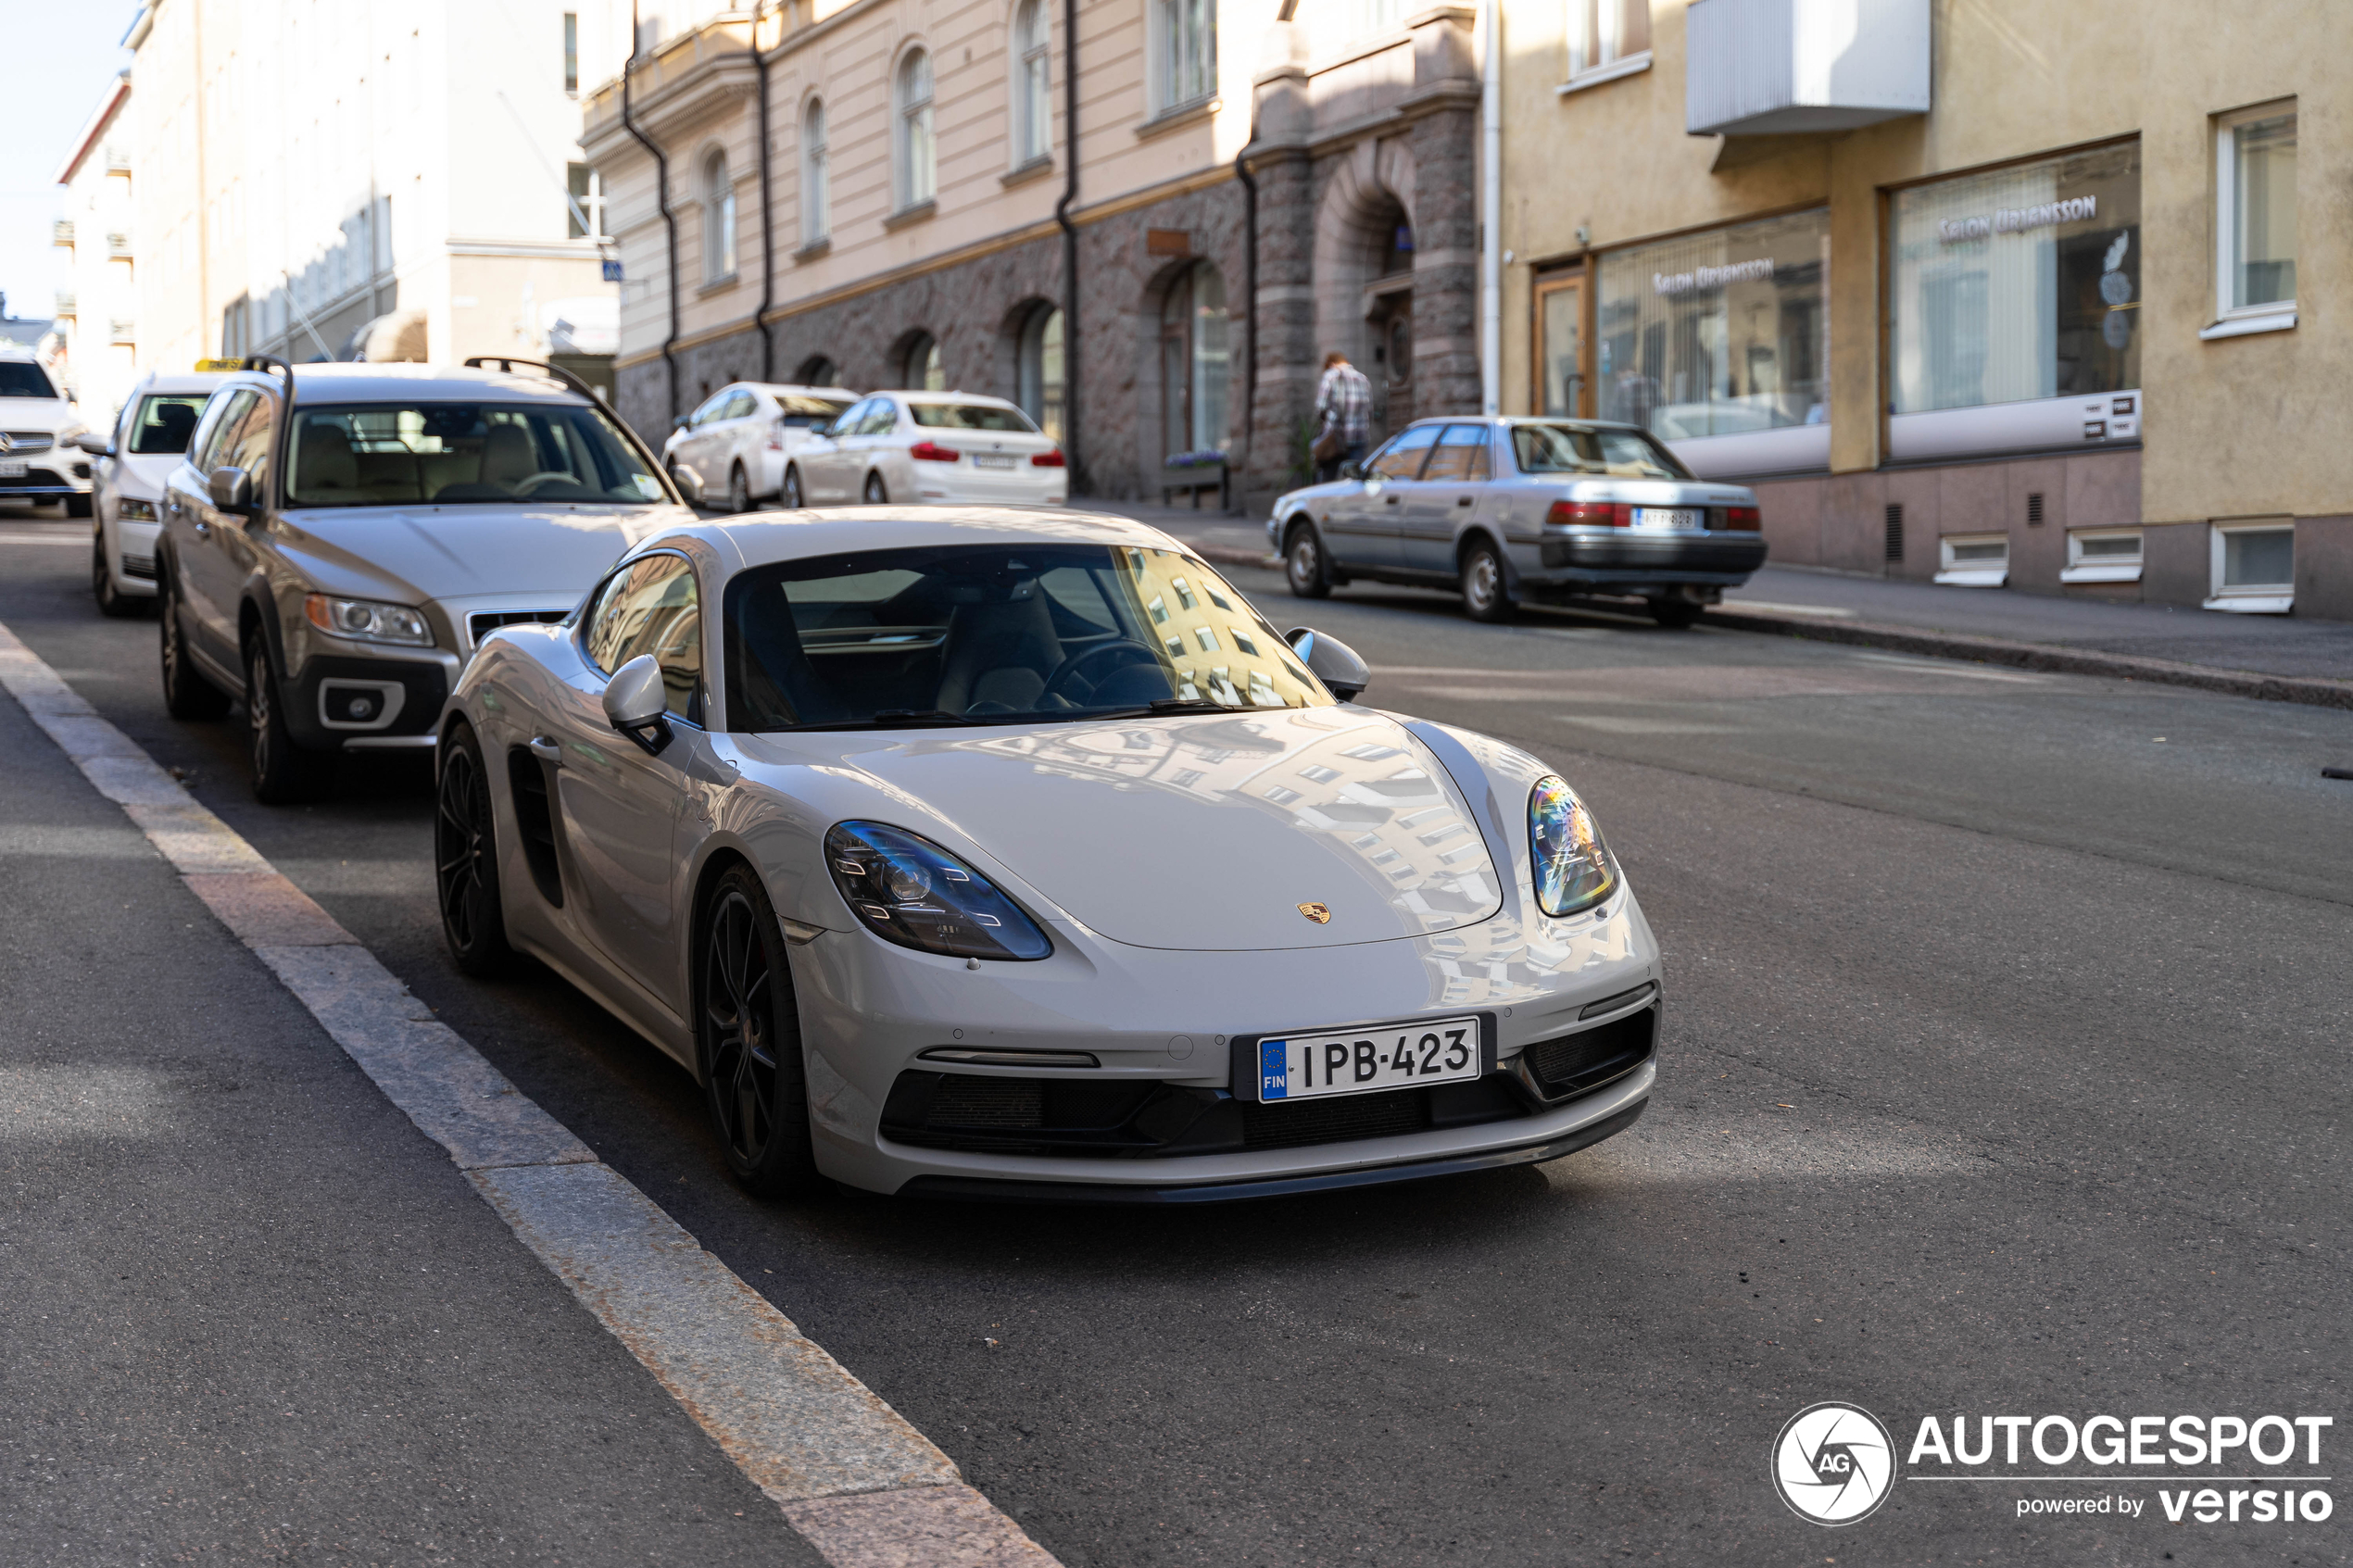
(1052, 459)
(931, 452)
(1742, 517)
(1591, 514)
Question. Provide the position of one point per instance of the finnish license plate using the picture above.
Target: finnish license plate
(1355, 1062)
(14, 467)
(1681, 518)
(984, 460)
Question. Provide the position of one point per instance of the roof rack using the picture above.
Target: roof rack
(506, 363)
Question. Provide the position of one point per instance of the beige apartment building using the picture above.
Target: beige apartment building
(1988, 291)
(883, 193)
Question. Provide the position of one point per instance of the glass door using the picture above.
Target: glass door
(1560, 346)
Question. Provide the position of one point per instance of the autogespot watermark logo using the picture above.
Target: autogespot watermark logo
(1833, 1463)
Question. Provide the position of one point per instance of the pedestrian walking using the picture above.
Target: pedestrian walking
(1344, 411)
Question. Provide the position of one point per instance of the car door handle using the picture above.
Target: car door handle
(1465, 500)
(1388, 500)
(546, 750)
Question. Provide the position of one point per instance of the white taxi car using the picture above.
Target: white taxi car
(930, 446)
(734, 450)
(134, 465)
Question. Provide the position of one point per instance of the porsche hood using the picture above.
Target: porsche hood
(1295, 828)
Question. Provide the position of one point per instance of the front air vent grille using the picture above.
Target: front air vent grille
(142, 568)
(1580, 1063)
(1342, 1118)
(482, 623)
(28, 441)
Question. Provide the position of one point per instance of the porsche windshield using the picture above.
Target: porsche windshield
(444, 454)
(994, 634)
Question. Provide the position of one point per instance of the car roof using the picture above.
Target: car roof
(952, 396)
(839, 393)
(183, 381)
(345, 381)
(764, 538)
(1521, 419)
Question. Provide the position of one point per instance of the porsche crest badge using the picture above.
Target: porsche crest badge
(1320, 913)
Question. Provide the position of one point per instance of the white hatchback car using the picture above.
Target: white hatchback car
(134, 465)
(40, 461)
(986, 852)
(745, 435)
(930, 446)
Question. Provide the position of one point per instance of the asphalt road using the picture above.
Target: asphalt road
(2005, 1073)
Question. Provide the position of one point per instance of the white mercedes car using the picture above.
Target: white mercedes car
(1002, 853)
(40, 459)
(734, 450)
(936, 447)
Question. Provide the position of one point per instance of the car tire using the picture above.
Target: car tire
(877, 493)
(186, 693)
(78, 505)
(112, 601)
(284, 773)
(790, 496)
(748, 1040)
(1486, 592)
(1303, 564)
(739, 490)
(1676, 615)
(465, 858)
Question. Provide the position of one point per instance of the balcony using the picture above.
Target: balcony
(65, 307)
(1764, 67)
(61, 233)
(123, 331)
(118, 247)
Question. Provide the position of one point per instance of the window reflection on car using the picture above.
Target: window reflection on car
(442, 453)
(969, 416)
(1614, 454)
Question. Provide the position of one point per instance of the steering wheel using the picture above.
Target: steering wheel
(523, 486)
(1128, 647)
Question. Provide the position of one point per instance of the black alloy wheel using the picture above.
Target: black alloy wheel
(465, 859)
(739, 490)
(186, 693)
(112, 601)
(1485, 595)
(749, 1025)
(792, 497)
(1676, 615)
(876, 496)
(1304, 565)
(284, 773)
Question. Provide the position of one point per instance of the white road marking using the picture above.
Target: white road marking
(1948, 667)
(859, 1484)
(79, 538)
(1831, 612)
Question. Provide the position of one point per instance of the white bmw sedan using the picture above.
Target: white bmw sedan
(1007, 854)
(950, 447)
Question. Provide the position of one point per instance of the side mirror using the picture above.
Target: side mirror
(232, 491)
(1351, 470)
(679, 424)
(96, 445)
(1343, 672)
(637, 704)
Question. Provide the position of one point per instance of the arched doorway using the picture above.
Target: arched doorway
(1389, 311)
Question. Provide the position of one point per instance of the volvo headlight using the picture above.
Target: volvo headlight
(1573, 868)
(909, 890)
(368, 621)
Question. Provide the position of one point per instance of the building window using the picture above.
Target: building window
(2017, 290)
(816, 176)
(920, 369)
(718, 221)
(1195, 361)
(1376, 16)
(2254, 567)
(571, 51)
(1187, 37)
(1040, 381)
(2254, 216)
(918, 158)
(585, 214)
(1607, 33)
(1719, 343)
(817, 371)
(2102, 555)
(1973, 560)
(1033, 101)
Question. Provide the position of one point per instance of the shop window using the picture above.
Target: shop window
(1718, 343)
(1033, 97)
(2253, 223)
(2014, 308)
(2254, 567)
(1195, 362)
(918, 156)
(1973, 560)
(1607, 38)
(816, 176)
(718, 221)
(919, 368)
(1039, 379)
(817, 371)
(2102, 555)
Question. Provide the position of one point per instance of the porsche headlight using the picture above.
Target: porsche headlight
(1573, 868)
(368, 621)
(909, 890)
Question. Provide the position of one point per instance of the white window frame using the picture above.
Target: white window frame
(1168, 43)
(2250, 598)
(816, 176)
(1975, 573)
(1604, 22)
(1032, 84)
(2232, 320)
(2081, 568)
(718, 218)
(915, 131)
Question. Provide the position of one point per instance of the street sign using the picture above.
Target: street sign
(613, 271)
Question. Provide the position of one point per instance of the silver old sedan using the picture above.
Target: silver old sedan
(1507, 509)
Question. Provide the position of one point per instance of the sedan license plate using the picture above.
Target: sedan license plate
(1355, 1062)
(1681, 519)
(984, 460)
(14, 467)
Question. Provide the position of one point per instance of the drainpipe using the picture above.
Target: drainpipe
(1491, 201)
(1249, 309)
(1071, 448)
(662, 197)
(767, 259)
